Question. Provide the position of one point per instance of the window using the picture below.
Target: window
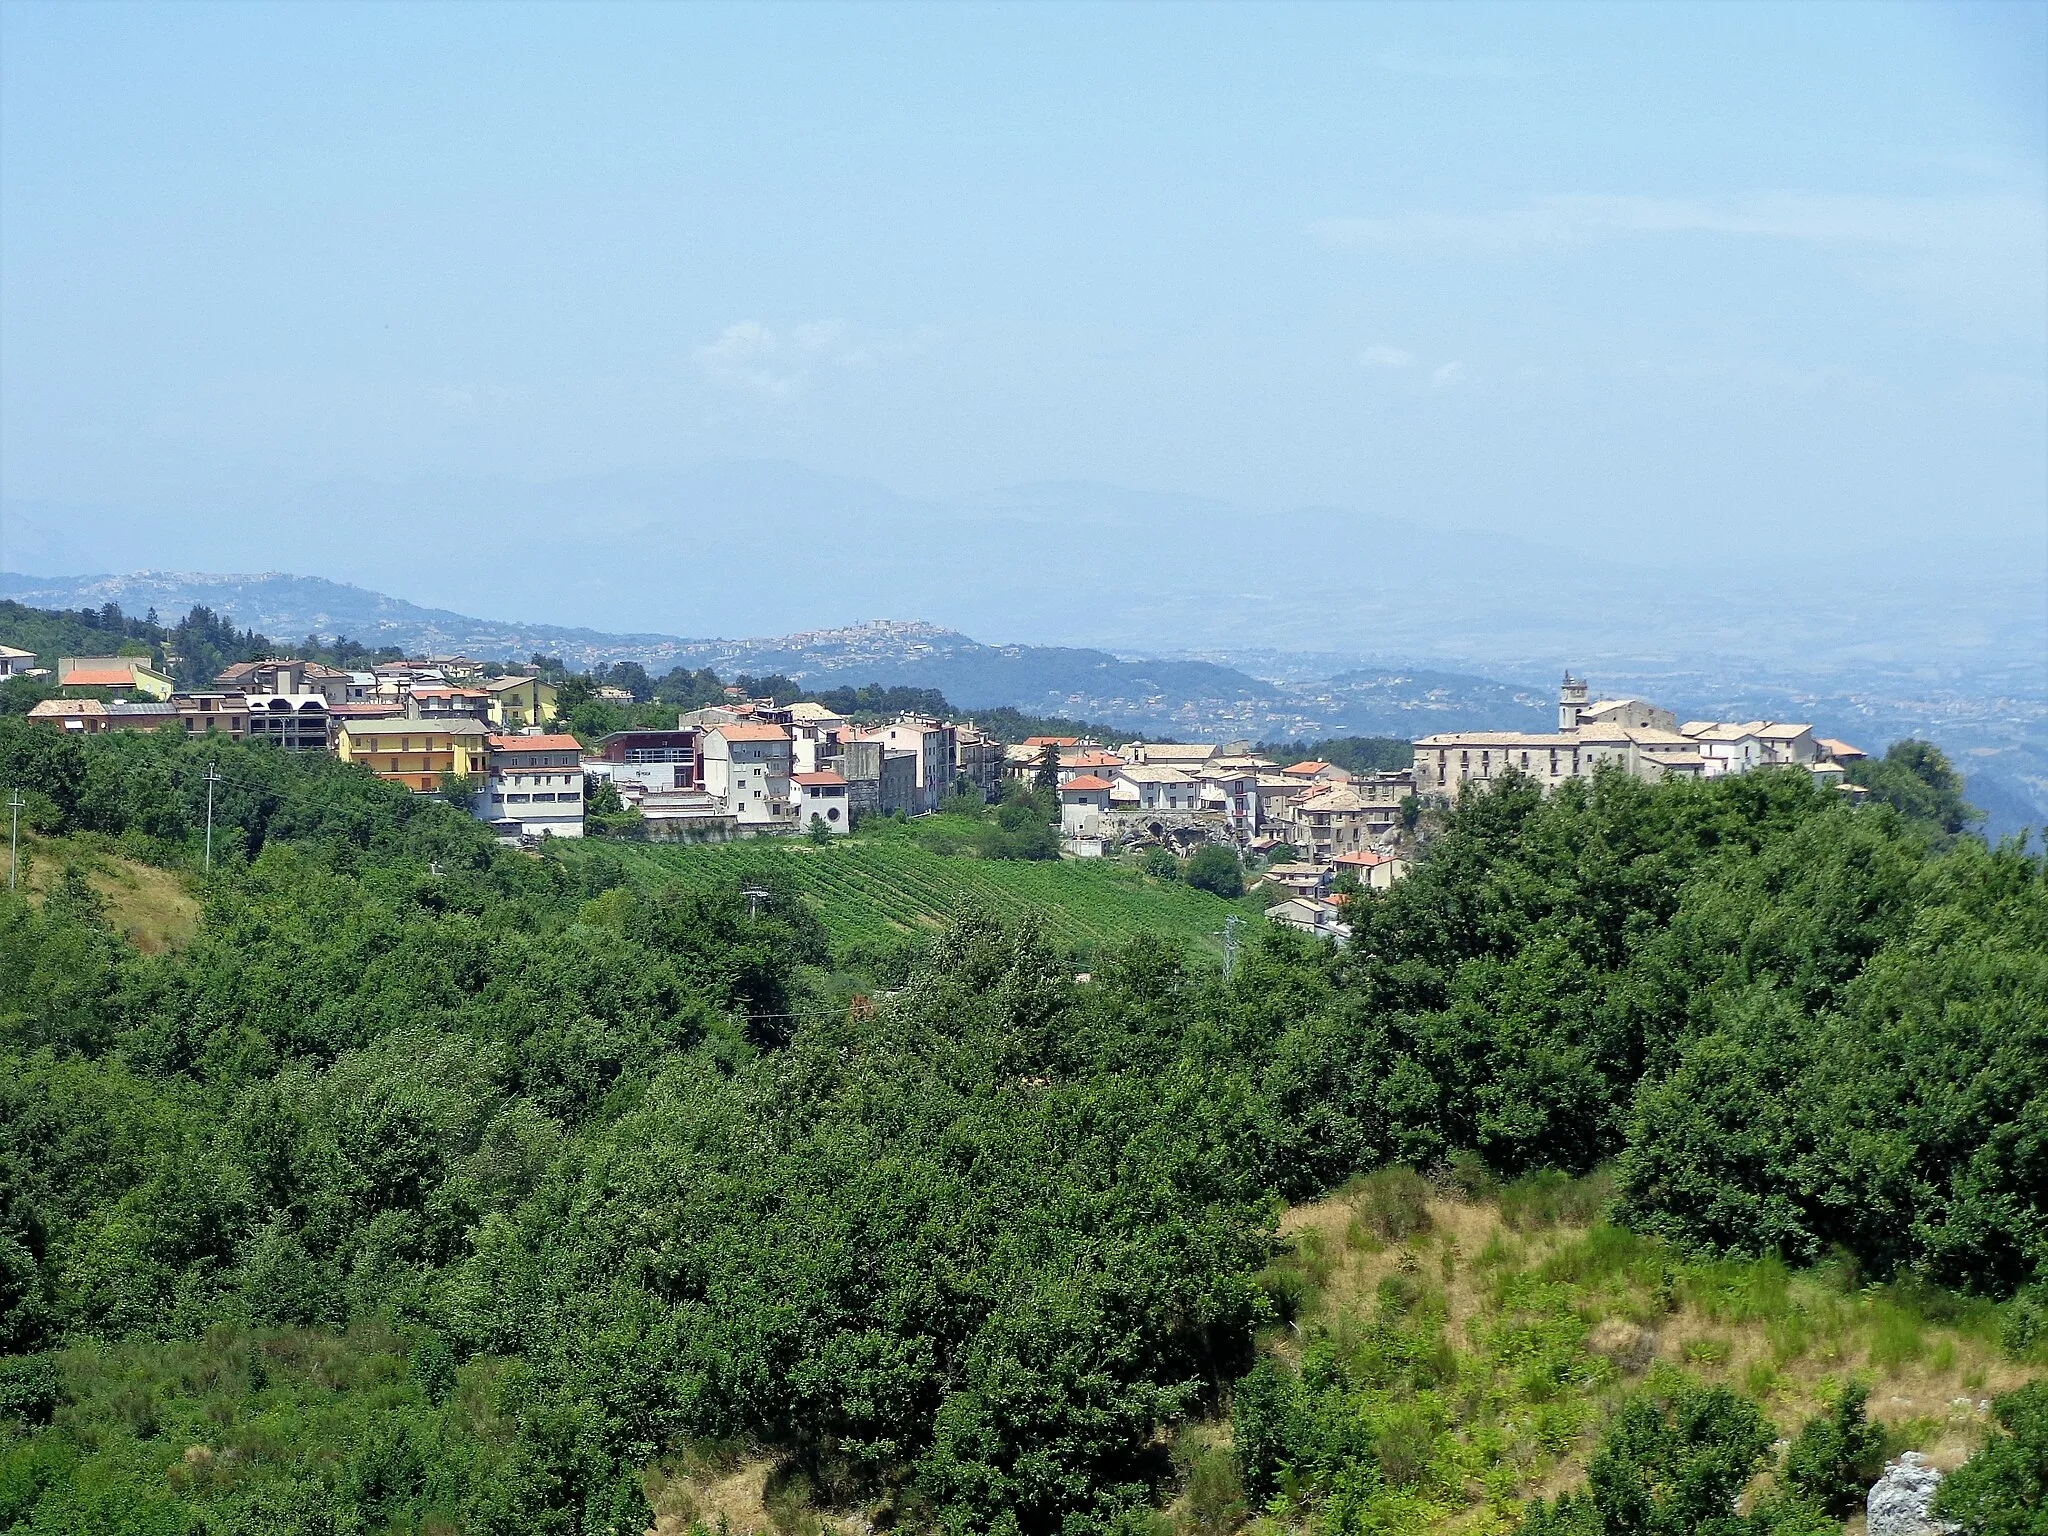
(832, 813)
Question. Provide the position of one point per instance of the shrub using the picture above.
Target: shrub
(1391, 1203)
(2003, 1490)
(29, 1388)
(1837, 1456)
(1215, 868)
(1547, 1197)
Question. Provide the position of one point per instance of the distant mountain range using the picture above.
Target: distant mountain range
(1147, 693)
(748, 548)
(1996, 726)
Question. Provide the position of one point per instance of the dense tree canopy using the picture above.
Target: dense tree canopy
(597, 1172)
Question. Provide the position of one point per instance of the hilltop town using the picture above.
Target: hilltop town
(755, 767)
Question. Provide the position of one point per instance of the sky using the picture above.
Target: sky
(1640, 281)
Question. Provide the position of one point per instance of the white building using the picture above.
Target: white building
(1084, 802)
(747, 766)
(1234, 793)
(814, 736)
(1144, 787)
(14, 661)
(533, 787)
(821, 796)
(1312, 914)
(1725, 749)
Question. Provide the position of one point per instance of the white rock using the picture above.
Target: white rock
(1900, 1500)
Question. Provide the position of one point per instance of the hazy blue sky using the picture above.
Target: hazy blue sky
(1649, 279)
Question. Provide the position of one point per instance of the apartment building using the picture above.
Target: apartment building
(513, 703)
(533, 786)
(89, 717)
(933, 745)
(295, 722)
(747, 765)
(420, 754)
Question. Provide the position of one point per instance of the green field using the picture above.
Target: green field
(880, 888)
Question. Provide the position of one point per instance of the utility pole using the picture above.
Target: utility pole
(755, 896)
(1230, 927)
(212, 778)
(14, 803)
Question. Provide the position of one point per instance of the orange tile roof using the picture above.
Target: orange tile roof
(1086, 781)
(99, 677)
(554, 743)
(1052, 741)
(1306, 768)
(749, 732)
(825, 777)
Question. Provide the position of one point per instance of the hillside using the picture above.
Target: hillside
(870, 890)
(429, 1185)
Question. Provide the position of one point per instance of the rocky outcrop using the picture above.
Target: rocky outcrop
(1900, 1501)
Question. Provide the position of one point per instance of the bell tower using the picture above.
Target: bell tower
(1571, 698)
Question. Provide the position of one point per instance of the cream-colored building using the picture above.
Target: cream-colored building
(1637, 737)
(120, 673)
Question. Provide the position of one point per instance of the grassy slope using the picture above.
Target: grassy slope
(878, 888)
(1614, 1310)
(153, 909)
(1550, 1324)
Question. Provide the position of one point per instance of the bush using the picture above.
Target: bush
(1837, 1456)
(1161, 864)
(1215, 868)
(1390, 1204)
(2003, 1490)
(1548, 1197)
(29, 1388)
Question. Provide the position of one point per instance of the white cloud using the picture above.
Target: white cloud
(1445, 375)
(1380, 355)
(755, 359)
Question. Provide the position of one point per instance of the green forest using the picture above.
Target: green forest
(382, 1179)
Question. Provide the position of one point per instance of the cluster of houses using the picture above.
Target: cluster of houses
(1632, 735)
(752, 767)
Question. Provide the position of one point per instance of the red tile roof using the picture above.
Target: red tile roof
(555, 743)
(99, 677)
(827, 777)
(1086, 781)
(1052, 741)
(749, 732)
(1306, 768)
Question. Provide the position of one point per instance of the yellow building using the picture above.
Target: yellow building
(121, 673)
(416, 753)
(520, 701)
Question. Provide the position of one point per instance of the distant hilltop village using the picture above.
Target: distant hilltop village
(752, 767)
(1629, 734)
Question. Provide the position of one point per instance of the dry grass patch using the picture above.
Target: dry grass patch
(153, 909)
